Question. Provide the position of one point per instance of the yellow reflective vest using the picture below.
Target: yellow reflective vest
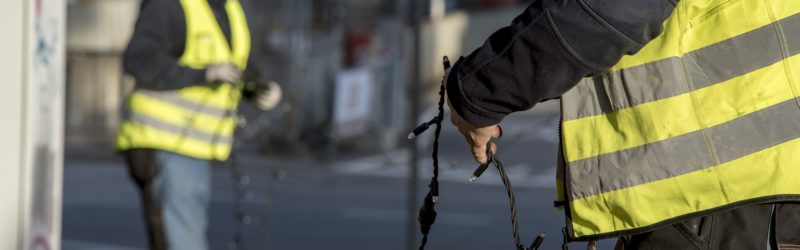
(195, 121)
(705, 117)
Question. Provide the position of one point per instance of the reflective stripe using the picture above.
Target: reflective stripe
(757, 175)
(148, 137)
(172, 97)
(638, 165)
(178, 116)
(700, 26)
(182, 131)
(664, 78)
(683, 154)
(735, 57)
(792, 29)
(663, 119)
(624, 88)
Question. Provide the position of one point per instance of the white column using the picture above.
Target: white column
(31, 131)
(11, 68)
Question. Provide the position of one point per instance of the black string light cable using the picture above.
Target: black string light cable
(241, 180)
(427, 213)
(513, 201)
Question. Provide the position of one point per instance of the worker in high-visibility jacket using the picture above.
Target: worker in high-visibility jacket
(188, 58)
(680, 119)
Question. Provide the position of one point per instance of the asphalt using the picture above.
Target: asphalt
(355, 203)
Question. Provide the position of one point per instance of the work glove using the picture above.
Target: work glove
(477, 137)
(264, 94)
(225, 72)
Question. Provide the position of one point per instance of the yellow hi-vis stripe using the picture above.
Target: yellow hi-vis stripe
(677, 196)
(674, 116)
(700, 26)
(150, 137)
(181, 117)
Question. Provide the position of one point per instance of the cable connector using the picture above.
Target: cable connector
(482, 168)
(478, 172)
(537, 242)
(427, 214)
(419, 130)
(435, 191)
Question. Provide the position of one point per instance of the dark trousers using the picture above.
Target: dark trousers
(747, 228)
(143, 169)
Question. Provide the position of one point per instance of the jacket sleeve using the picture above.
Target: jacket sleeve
(157, 44)
(546, 50)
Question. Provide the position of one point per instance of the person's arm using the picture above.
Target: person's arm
(546, 50)
(157, 44)
(543, 53)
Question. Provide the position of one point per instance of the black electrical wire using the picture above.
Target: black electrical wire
(239, 215)
(427, 213)
(513, 201)
(241, 180)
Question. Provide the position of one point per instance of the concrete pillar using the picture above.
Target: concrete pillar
(32, 132)
(11, 16)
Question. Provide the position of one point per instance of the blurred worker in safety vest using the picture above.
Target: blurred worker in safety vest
(188, 58)
(680, 120)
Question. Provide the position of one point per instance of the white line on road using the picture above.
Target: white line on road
(520, 174)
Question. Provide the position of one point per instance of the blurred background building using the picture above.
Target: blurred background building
(312, 47)
(334, 171)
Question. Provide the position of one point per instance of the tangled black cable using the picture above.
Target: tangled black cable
(427, 213)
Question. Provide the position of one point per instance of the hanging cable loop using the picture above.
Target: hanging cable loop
(427, 213)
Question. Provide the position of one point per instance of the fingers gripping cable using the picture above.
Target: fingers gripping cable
(427, 213)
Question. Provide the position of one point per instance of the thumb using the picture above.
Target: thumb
(498, 132)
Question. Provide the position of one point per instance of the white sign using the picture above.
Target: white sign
(352, 102)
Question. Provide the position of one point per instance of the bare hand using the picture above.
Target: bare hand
(477, 137)
(268, 98)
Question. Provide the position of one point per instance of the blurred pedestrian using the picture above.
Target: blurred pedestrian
(188, 58)
(680, 119)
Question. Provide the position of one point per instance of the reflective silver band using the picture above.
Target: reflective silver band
(172, 97)
(683, 154)
(666, 78)
(181, 131)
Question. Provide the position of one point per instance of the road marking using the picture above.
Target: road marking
(520, 174)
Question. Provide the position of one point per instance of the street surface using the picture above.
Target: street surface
(344, 203)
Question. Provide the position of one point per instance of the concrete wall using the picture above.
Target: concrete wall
(94, 98)
(11, 20)
(459, 33)
(98, 32)
(101, 26)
